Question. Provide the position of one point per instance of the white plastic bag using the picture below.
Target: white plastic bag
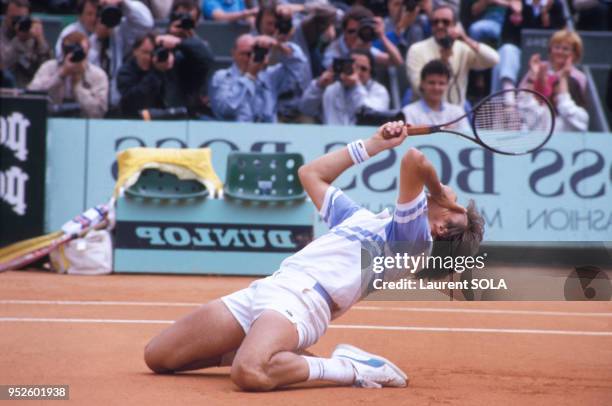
(90, 255)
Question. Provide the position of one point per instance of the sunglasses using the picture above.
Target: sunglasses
(362, 68)
(442, 21)
(351, 32)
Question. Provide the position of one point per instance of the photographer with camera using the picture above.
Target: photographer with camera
(359, 30)
(164, 72)
(73, 80)
(249, 89)
(23, 47)
(184, 16)
(343, 90)
(86, 23)
(118, 24)
(450, 44)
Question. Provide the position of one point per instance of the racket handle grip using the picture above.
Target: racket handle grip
(416, 130)
(419, 130)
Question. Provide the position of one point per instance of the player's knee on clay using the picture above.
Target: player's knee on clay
(250, 377)
(155, 359)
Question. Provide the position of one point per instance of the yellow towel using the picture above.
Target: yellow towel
(184, 163)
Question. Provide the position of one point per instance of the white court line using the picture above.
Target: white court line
(367, 308)
(338, 326)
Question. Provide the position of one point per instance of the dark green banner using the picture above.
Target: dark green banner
(23, 134)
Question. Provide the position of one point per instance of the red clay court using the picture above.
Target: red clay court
(89, 333)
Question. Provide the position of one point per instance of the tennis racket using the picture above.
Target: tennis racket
(507, 122)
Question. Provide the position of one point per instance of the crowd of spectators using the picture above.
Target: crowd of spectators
(301, 60)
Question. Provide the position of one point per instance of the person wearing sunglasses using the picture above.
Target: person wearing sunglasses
(356, 22)
(336, 98)
(450, 44)
(249, 90)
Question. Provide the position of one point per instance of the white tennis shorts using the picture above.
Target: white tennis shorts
(292, 296)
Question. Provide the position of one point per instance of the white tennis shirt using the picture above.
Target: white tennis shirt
(334, 259)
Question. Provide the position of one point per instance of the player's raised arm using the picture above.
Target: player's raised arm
(417, 172)
(318, 175)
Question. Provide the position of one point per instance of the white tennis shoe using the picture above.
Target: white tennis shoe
(371, 371)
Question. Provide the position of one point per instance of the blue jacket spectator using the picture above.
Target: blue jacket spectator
(249, 89)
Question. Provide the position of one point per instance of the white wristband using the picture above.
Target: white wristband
(358, 152)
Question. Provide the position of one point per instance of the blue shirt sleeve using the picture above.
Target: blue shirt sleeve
(337, 207)
(410, 223)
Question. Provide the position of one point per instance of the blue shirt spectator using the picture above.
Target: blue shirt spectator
(248, 90)
(227, 10)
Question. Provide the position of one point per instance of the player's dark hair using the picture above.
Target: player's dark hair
(459, 240)
(435, 67)
(356, 13)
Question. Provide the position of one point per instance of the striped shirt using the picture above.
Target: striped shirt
(334, 259)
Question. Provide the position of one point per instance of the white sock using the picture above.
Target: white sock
(330, 369)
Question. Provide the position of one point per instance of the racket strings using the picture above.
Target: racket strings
(514, 121)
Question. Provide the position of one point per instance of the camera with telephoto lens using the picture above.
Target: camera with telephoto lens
(110, 16)
(411, 5)
(160, 53)
(283, 25)
(367, 30)
(342, 65)
(77, 51)
(446, 42)
(259, 54)
(186, 22)
(23, 23)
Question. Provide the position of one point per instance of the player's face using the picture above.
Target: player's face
(441, 218)
(433, 88)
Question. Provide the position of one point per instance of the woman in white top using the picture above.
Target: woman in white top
(566, 98)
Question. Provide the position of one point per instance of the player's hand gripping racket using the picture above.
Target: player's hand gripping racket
(500, 125)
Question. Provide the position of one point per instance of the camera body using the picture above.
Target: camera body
(161, 54)
(186, 22)
(411, 5)
(110, 16)
(77, 51)
(367, 30)
(446, 42)
(23, 23)
(283, 25)
(259, 53)
(342, 65)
